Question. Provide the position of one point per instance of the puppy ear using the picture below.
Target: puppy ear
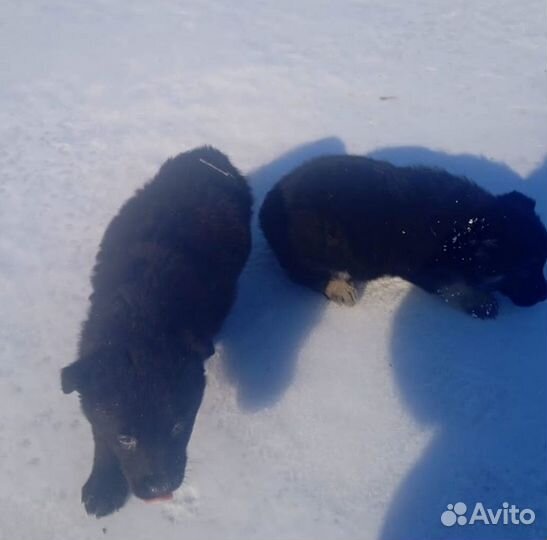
(73, 376)
(516, 199)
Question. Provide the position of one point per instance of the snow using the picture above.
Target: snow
(319, 421)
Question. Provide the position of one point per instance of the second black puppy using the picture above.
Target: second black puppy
(337, 220)
(165, 278)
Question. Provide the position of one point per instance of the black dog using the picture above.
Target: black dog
(164, 281)
(340, 219)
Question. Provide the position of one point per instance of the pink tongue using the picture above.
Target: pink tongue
(167, 497)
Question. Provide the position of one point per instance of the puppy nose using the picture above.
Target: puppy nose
(153, 487)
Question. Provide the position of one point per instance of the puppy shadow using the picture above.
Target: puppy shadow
(480, 387)
(271, 317)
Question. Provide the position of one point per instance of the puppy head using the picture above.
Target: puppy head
(517, 254)
(143, 406)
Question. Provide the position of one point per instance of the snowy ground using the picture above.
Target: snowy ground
(319, 421)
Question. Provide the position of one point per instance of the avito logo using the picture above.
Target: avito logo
(507, 515)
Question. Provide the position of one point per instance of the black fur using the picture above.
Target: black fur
(340, 219)
(164, 281)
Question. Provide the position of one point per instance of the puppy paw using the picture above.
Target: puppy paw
(341, 291)
(105, 492)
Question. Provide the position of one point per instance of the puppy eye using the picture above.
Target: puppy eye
(178, 428)
(127, 442)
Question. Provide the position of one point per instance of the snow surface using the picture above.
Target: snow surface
(319, 422)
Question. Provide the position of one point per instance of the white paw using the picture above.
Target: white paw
(341, 291)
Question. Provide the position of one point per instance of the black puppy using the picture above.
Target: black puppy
(340, 219)
(164, 281)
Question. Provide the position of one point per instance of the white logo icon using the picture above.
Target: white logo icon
(454, 514)
(507, 515)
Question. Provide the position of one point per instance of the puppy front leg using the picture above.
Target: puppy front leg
(336, 286)
(340, 289)
(106, 489)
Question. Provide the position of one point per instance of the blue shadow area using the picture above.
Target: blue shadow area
(271, 317)
(481, 386)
